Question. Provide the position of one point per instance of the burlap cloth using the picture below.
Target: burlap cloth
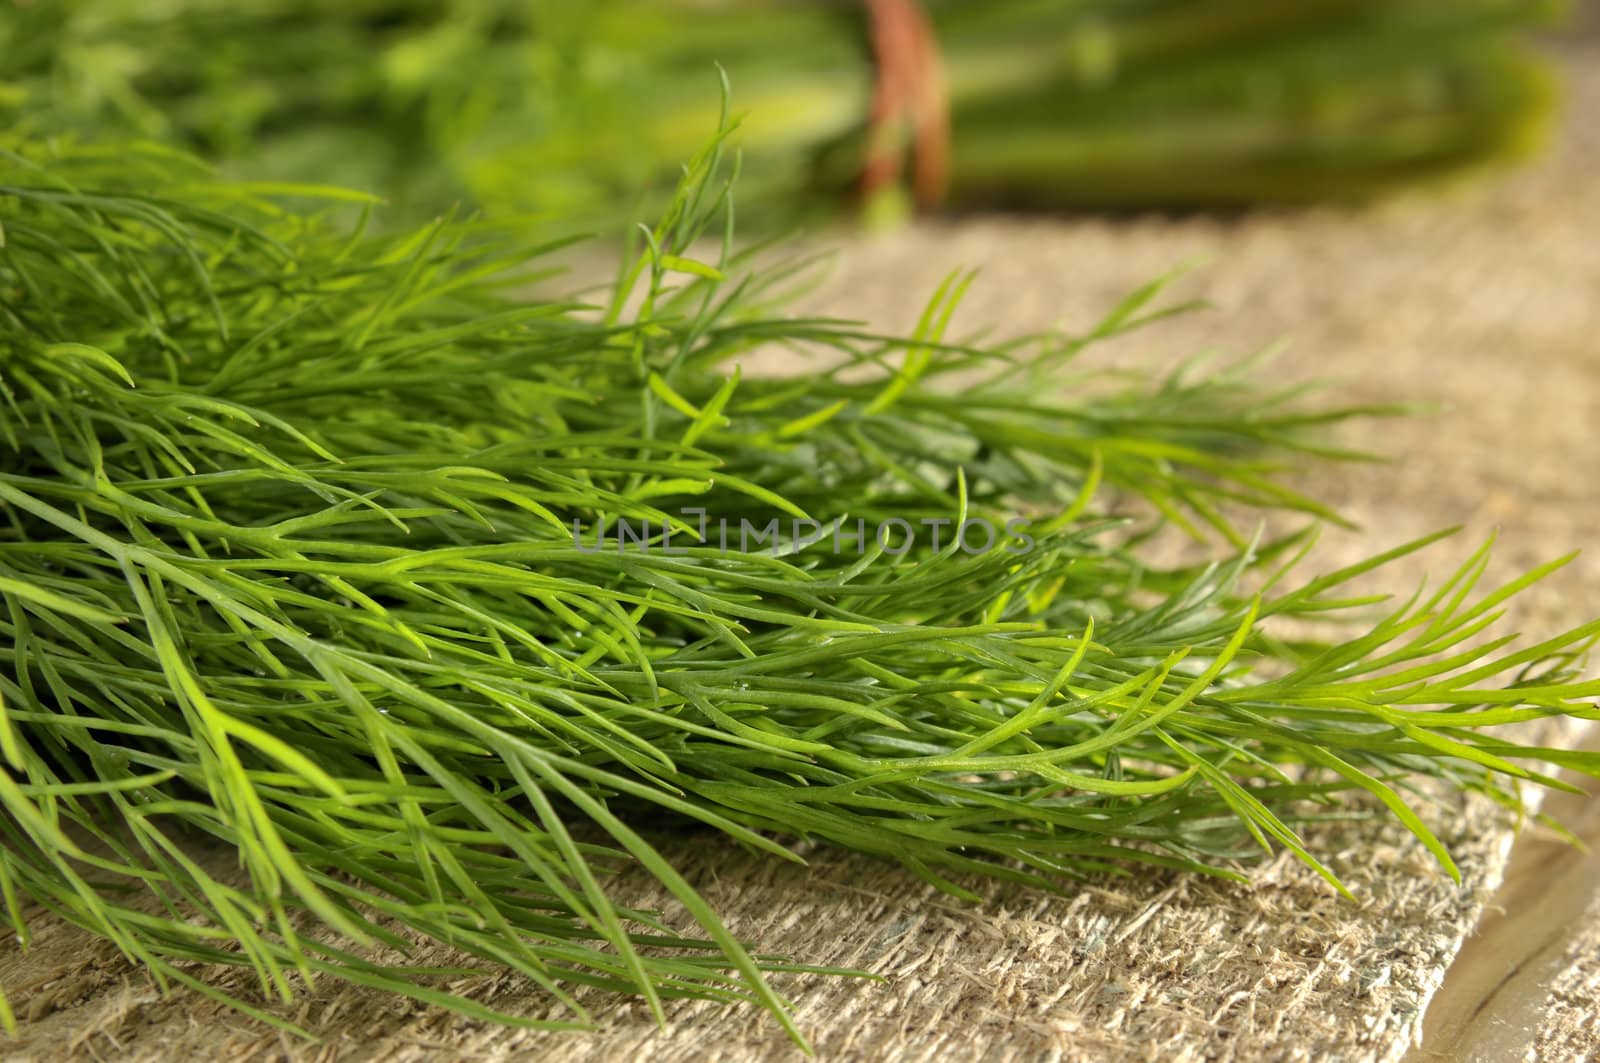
(1487, 300)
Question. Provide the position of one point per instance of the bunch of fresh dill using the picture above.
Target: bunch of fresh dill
(578, 109)
(302, 554)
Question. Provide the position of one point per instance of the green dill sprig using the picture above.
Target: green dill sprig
(289, 563)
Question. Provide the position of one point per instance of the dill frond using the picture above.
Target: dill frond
(288, 563)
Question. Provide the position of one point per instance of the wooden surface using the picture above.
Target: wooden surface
(1496, 999)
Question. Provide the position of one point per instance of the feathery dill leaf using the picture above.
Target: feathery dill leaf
(288, 563)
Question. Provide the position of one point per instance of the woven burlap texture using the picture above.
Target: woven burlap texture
(1483, 299)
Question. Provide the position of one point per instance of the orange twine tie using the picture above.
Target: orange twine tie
(910, 92)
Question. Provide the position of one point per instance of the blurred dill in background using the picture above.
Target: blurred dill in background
(583, 111)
